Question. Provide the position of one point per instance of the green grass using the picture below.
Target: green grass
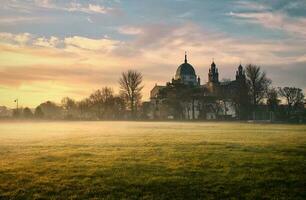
(132, 160)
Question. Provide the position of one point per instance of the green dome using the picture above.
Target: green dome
(185, 69)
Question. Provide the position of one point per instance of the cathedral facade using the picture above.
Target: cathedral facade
(185, 98)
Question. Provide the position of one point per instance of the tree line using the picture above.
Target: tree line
(260, 95)
(101, 104)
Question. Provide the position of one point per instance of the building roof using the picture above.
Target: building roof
(156, 90)
(185, 69)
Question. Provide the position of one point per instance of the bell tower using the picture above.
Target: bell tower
(213, 74)
(240, 74)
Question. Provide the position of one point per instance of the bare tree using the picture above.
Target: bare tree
(272, 99)
(84, 107)
(257, 82)
(69, 105)
(101, 99)
(118, 107)
(130, 85)
(293, 96)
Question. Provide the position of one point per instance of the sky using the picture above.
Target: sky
(50, 49)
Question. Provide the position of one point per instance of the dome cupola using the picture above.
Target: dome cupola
(185, 69)
(186, 73)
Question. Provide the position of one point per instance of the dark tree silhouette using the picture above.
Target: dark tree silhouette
(96, 101)
(257, 82)
(68, 103)
(272, 99)
(130, 86)
(17, 113)
(38, 112)
(294, 96)
(27, 113)
(70, 107)
(101, 101)
(241, 100)
(51, 110)
(84, 107)
(118, 108)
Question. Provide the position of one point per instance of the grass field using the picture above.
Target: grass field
(151, 160)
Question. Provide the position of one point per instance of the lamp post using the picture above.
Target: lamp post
(16, 100)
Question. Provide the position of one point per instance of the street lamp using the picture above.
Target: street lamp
(16, 100)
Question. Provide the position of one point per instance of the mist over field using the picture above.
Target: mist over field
(152, 99)
(151, 160)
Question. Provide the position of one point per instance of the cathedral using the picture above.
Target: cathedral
(185, 98)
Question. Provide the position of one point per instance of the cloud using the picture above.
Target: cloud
(45, 42)
(90, 8)
(278, 20)
(90, 44)
(44, 3)
(9, 38)
(72, 6)
(18, 19)
(97, 9)
(247, 5)
(130, 30)
(71, 75)
(163, 41)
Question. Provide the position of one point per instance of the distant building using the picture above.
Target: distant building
(186, 98)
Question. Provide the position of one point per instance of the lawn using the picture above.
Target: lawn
(152, 160)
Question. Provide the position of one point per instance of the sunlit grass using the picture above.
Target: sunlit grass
(118, 160)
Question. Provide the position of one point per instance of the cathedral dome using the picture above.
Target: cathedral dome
(185, 69)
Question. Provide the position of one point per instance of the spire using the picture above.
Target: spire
(240, 75)
(213, 65)
(240, 68)
(185, 57)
